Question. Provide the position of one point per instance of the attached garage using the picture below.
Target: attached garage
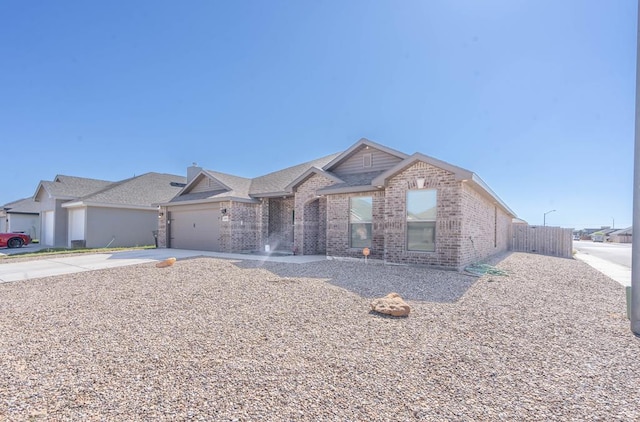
(195, 229)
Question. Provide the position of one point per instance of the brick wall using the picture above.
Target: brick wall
(243, 231)
(279, 223)
(338, 237)
(485, 228)
(162, 228)
(225, 228)
(310, 233)
(448, 220)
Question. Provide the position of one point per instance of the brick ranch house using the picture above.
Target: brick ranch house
(410, 209)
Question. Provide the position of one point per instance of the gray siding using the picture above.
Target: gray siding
(60, 223)
(354, 164)
(206, 185)
(46, 204)
(120, 227)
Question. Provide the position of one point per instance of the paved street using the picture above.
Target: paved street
(618, 253)
(612, 259)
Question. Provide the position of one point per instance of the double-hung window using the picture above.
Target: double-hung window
(360, 221)
(421, 220)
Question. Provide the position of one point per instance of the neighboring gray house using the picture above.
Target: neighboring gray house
(51, 196)
(96, 213)
(21, 216)
(622, 236)
(404, 208)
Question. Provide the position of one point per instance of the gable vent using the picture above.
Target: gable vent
(367, 160)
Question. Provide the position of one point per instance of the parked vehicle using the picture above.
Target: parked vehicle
(597, 237)
(14, 240)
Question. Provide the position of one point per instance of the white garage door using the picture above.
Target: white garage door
(76, 224)
(48, 227)
(197, 230)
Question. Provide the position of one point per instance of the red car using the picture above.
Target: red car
(14, 240)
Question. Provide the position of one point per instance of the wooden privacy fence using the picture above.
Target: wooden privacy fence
(544, 240)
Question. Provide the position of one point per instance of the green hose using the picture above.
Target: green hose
(482, 269)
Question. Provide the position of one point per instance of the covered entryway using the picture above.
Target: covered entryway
(197, 229)
(314, 236)
(281, 224)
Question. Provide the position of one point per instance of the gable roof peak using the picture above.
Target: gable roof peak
(307, 174)
(362, 143)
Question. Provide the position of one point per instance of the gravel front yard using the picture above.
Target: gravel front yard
(211, 339)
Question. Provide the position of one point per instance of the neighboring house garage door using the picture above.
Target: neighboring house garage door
(47, 230)
(195, 229)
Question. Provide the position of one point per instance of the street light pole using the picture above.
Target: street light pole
(544, 218)
(635, 247)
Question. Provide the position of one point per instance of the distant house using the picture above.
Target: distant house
(622, 236)
(602, 235)
(21, 216)
(77, 211)
(403, 208)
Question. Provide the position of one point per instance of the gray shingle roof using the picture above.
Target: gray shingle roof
(22, 206)
(239, 185)
(627, 231)
(280, 182)
(73, 187)
(276, 182)
(144, 190)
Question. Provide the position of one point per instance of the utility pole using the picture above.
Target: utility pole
(635, 247)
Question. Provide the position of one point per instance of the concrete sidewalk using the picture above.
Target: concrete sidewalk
(618, 272)
(60, 264)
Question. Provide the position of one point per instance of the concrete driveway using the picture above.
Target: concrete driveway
(32, 247)
(60, 264)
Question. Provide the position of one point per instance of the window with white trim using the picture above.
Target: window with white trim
(421, 220)
(360, 221)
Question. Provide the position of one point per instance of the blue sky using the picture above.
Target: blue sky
(536, 97)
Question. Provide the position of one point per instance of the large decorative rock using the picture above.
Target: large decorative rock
(392, 304)
(166, 263)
